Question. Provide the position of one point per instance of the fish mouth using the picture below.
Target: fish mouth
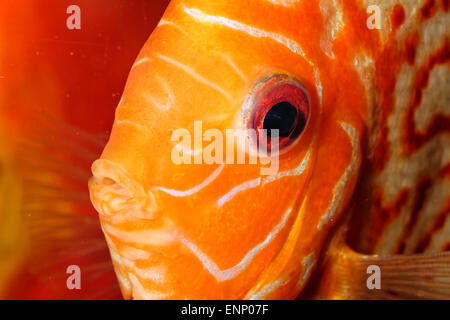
(120, 199)
(115, 194)
(135, 246)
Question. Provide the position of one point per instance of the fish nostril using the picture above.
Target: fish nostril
(114, 193)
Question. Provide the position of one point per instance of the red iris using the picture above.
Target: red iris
(280, 103)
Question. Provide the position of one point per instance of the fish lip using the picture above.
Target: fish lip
(109, 174)
(106, 169)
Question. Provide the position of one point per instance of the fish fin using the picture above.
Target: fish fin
(346, 274)
(13, 243)
(53, 165)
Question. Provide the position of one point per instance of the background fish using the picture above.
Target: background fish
(376, 114)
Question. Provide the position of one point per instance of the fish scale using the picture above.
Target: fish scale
(408, 210)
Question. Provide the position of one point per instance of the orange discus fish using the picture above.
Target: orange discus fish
(363, 153)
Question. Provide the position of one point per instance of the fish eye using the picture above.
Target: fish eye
(280, 102)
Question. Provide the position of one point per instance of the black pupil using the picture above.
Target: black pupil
(281, 116)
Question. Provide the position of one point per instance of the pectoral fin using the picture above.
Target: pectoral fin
(346, 274)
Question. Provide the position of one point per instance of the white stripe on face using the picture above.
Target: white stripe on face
(251, 31)
(194, 74)
(227, 274)
(164, 22)
(284, 3)
(268, 289)
(197, 188)
(341, 185)
(170, 96)
(258, 181)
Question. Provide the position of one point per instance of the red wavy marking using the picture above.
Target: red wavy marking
(412, 138)
(388, 64)
(445, 5)
(356, 28)
(444, 173)
(381, 152)
(397, 16)
(421, 192)
(438, 224)
(428, 10)
(387, 67)
(446, 247)
(411, 43)
(383, 214)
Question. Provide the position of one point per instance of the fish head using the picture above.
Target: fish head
(180, 225)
